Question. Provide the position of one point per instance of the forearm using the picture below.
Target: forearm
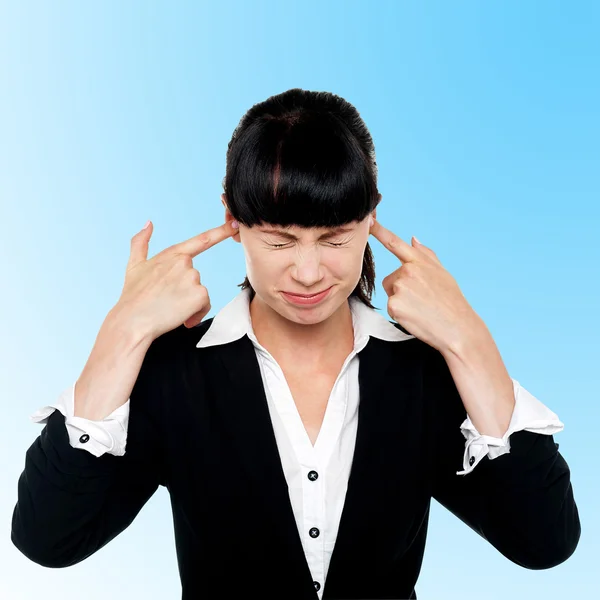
(482, 380)
(112, 368)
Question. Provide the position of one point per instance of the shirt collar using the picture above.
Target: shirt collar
(233, 321)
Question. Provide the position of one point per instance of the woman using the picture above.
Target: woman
(301, 435)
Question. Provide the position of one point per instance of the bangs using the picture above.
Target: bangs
(307, 170)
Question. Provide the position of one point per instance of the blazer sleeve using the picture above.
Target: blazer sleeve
(71, 503)
(521, 502)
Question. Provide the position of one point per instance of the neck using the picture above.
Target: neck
(304, 346)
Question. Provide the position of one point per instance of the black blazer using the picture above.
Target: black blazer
(199, 425)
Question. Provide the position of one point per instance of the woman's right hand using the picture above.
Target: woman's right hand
(162, 293)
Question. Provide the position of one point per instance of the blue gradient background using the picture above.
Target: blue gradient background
(486, 122)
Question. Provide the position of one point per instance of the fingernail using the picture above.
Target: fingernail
(146, 225)
(417, 240)
(235, 224)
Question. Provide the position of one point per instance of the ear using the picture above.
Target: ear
(374, 211)
(372, 218)
(229, 217)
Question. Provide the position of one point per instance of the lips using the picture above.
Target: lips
(306, 295)
(304, 299)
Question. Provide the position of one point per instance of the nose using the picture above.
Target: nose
(307, 267)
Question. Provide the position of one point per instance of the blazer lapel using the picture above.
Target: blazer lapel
(246, 413)
(366, 481)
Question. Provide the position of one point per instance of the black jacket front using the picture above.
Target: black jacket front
(199, 425)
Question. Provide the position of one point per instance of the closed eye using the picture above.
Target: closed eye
(282, 245)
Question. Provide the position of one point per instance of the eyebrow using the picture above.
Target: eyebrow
(286, 234)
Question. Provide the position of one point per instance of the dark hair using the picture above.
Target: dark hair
(303, 158)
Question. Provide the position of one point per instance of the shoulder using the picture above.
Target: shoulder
(180, 338)
(169, 362)
(436, 377)
(173, 352)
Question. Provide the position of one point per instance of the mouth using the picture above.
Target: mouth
(306, 298)
(306, 295)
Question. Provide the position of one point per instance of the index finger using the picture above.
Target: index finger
(396, 245)
(203, 241)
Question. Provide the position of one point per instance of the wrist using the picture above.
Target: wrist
(472, 334)
(122, 322)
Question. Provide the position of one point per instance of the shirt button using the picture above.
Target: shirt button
(317, 585)
(471, 461)
(312, 475)
(313, 532)
(84, 438)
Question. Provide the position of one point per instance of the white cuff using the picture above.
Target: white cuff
(108, 435)
(528, 414)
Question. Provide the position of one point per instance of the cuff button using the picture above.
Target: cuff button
(84, 438)
(471, 460)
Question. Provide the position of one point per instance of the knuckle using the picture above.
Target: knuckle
(184, 260)
(194, 275)
(203, 293)
(392, 305)
(408, 269)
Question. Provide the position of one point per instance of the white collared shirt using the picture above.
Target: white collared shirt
(317, 476)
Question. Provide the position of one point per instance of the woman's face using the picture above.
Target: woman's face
(304, 261)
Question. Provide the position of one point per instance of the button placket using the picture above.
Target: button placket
(306, 454)
(314, 517)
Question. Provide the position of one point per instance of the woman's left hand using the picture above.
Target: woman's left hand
(423, 297)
